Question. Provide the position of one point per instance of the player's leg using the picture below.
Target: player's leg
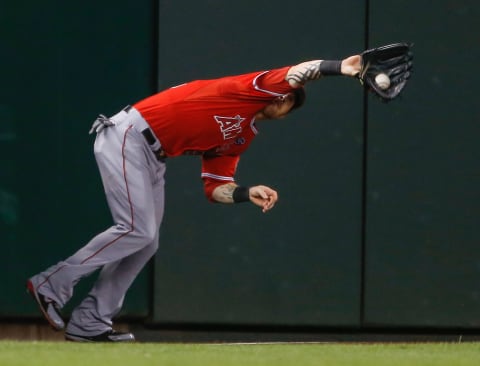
(94, 315)
(125, 163)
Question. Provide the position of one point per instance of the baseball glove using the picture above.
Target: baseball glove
(395, 60)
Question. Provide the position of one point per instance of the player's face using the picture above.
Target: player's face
(280, 107)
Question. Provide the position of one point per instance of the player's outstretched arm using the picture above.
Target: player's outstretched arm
(262, 196)
(299, 74)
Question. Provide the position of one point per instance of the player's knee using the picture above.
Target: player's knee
(146, 233)
(142, 234)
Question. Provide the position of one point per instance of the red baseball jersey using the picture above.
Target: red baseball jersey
(212, 118)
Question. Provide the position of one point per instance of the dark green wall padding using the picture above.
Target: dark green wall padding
(423, 199)
(66, 63)
(300, 263)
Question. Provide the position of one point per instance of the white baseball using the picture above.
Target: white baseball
(382, 80)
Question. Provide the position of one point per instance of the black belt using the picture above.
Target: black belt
(150, 137)
(159, 153)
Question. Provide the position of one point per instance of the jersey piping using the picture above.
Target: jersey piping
(217, 177)
(255, 85)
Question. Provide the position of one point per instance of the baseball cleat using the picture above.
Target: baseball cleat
(108, 336)
(49, 308)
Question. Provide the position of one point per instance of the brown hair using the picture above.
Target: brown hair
(300, 97)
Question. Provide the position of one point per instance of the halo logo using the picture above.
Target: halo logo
(230, 127)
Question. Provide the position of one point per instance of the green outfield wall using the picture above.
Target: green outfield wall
(299, 264)
(63, 63)
(376, 223)
(423, 199)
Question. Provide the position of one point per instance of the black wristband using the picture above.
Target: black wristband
(331, 67)
(241, 194)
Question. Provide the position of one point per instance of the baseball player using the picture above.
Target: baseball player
(215, 119)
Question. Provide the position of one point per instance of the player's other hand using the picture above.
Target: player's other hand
(263, 196)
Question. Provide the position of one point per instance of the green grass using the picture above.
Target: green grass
(160, 354)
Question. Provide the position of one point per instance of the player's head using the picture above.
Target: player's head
(283, 105)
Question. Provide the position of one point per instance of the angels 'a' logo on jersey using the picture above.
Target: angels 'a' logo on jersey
(230, 127)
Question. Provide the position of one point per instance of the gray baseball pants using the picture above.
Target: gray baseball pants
(133, 179)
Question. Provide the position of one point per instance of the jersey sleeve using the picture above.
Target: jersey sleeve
(217, 171)
(260, 85)
(273, 82)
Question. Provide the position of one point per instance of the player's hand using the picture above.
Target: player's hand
(264, 197)
(351, 65)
